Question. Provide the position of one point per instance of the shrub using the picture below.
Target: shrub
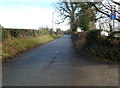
(5, 34)
(22, 33)
(92, 37)
(102, 46)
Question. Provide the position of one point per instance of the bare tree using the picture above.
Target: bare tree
(68, 10)
(79, 14)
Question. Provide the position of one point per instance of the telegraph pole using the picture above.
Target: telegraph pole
(53, 21)
(113, 11)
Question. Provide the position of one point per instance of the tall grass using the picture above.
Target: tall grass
(12, 47)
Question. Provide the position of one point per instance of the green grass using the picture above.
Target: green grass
(12, 47)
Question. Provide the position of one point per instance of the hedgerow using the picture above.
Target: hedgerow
(8, 33)
(16, 41)
(93, 44)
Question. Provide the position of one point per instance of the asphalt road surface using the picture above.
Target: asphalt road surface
(57, 64)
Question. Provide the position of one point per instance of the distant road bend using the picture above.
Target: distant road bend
(57, 64)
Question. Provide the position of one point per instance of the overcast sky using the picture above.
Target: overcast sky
(30, 14)
(27, 14)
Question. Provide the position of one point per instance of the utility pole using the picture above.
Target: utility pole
(113, 11)
(53, 21)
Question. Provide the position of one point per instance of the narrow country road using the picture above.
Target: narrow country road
(57, 64)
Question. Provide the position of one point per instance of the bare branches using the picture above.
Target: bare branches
(66, 4)
(63, 19)
(99, 10)
(67, 10)
(106, 9)
(115, 2)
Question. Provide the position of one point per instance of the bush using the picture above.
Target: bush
(22, 33)
(78, 39)
(5, 34)
(102, 46)
(92, 37)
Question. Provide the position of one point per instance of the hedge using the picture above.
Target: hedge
(102, 46)
(22, 33)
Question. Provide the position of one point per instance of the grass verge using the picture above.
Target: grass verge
(13, 47)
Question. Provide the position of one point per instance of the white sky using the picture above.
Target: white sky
(30, 14)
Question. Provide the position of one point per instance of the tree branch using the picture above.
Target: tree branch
(115, 2)
(107, 14)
